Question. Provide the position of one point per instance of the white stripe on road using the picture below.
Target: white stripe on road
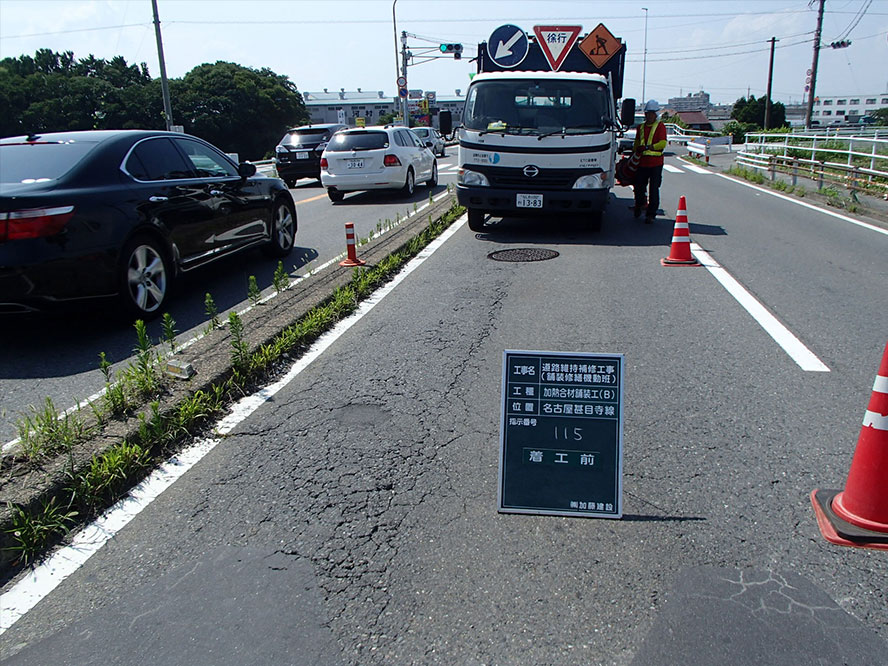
(797, 351)
(45, 577)
(672, 169)
(698, 169)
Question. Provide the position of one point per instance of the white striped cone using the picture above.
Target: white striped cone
(350, 247)
(680, 252)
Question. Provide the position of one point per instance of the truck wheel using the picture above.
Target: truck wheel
(476, 219)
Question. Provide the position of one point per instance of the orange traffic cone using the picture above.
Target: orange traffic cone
(858, 515)
(350, 247)
(680, 254)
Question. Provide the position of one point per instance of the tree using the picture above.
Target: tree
(752, 112)
(881, 116)
(237, 108)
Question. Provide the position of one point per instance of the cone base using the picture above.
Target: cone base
(842, 533)
(679, 262)
(352, 262)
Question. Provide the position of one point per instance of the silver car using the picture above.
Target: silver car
(429, 135)
(376, 158)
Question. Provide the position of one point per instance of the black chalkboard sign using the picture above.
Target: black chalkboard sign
(561, 443)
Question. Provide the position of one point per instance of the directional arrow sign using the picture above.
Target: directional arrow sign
(507, 46)
(556, 41)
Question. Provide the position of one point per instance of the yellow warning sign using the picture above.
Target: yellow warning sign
(600, 45)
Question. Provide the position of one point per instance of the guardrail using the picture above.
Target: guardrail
(266, 168)
(851, 161)
(854, 178)
(706, 146)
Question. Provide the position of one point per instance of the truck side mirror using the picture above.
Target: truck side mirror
(445, 122)
(627, 113)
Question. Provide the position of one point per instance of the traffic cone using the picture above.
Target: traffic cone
(858, 515)
(680, 253)
(350, 247)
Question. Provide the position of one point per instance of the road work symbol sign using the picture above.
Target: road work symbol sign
(507, 46)
(556, 41)
(600, 45)
(561, 438)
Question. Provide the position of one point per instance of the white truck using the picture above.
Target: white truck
(540, 141)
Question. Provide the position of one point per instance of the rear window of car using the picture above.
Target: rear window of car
(308, 135)
(40, 162)
(370, 140)
(421, 132)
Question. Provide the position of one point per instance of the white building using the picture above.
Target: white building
(346, 106)
(846, 108)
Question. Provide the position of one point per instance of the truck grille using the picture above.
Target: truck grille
(546, 179)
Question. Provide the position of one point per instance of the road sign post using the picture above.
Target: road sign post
(561, 434)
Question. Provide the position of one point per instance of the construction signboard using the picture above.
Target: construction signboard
(561, 449)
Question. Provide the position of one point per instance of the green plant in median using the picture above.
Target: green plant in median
(46, 432)
(280, 279)
(32, 532)
(146, 375)
(114, 399)
(253, 292)
(211, 311)
(240, 351)
(169, 330)
(108, 475)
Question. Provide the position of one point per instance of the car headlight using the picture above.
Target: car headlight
(280, 149)
(590, 181)
(472, 178)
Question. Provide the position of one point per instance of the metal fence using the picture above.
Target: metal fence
(858, 162)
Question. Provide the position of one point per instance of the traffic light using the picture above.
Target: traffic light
(455, 49)
(841, 44)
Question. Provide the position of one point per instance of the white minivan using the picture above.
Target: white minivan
(375, 158)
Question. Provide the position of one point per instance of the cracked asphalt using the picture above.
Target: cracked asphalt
(361, 499)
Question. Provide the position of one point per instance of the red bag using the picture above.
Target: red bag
(626, 168)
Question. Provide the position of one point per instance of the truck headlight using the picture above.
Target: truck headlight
(472, 178)
(592, 181)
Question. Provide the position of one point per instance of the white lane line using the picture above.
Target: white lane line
(797, 351)
(698, 169)
(825, 211)
(672, 169)
(45, 577)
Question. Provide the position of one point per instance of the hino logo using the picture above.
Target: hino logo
(531, 171)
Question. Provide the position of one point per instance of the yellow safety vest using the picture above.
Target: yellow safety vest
(639, 137)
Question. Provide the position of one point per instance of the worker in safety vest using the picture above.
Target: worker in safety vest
(650, 141)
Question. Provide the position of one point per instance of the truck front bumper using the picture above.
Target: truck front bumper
(504, 202)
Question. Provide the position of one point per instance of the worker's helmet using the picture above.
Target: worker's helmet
(651, 105)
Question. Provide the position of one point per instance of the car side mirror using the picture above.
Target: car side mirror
(429, 144)
(246, 169)
(445, 122)
(627, 113)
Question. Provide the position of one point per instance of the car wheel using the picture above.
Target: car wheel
(145, 277)
(335, 195)
(283, 229)
(409, 185)
(433, 181)
(291, 182)
(443, 150)
(476, 219)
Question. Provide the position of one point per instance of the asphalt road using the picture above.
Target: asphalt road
(353, 517)
(58, 357)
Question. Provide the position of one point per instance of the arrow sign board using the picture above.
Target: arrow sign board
(507, 46)
(556, 41)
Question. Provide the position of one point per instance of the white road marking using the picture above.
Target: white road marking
(825, 211)
(45, 577)
(672, 169)
(698, 169)
(797, 351)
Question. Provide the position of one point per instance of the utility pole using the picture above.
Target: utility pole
(404, 108)
(810, 109)
(164, 84)
(773, 41)
(645, 66)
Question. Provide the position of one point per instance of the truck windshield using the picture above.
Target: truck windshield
(537, 106)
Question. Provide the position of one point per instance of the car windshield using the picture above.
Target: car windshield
(304, 136)
(422, 133)
(537, 106)
(39, 162)
(369, 140)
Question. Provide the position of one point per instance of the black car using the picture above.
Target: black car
(298, 155)
(120, 213)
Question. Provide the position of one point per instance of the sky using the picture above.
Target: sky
(673, 48)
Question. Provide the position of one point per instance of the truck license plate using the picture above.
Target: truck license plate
(529, 201)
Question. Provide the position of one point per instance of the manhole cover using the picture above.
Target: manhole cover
(523, 254)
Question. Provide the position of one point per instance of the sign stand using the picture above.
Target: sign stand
(561, 444)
